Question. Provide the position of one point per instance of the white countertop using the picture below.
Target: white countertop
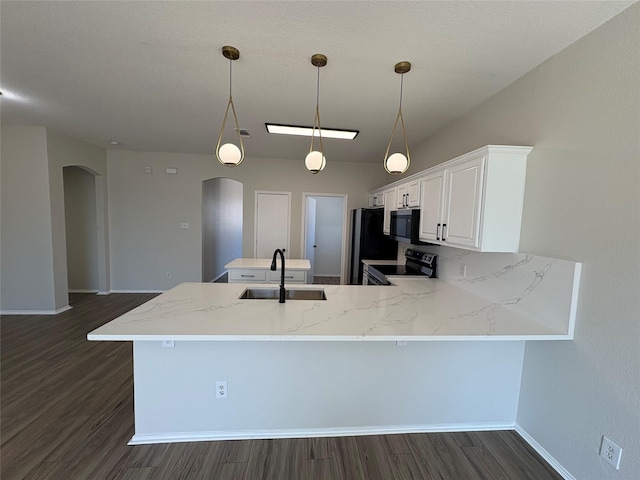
(418, 309)
(382, 262)
(265, 263)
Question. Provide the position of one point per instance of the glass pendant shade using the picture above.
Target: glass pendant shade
(315, 160)
(398, 163)
(230, 154)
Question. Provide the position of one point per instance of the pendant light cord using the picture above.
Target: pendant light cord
(401, 84)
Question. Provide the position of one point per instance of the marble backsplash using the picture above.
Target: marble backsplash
(541, 288)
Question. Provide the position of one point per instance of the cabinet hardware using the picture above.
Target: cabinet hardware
(444, 225)
(438, 232)
(247, 276)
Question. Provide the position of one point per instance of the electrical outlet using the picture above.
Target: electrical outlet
(221, 389)
(168, 274)
(463, 270)
(184, 224)
(401, 343)
(611, 452)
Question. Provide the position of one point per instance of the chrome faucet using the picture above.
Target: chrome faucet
(273, 267)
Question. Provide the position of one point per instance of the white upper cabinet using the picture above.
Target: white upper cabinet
(376, 199)
(389, 204)
(475, 201)
(408, 195)
(431, 208)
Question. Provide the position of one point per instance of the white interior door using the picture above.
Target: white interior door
(272, 221)
(310, 235)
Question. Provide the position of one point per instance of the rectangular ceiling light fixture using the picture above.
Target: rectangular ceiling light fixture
(306, 131)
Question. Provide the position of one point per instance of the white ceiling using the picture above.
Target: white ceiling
(151, 74)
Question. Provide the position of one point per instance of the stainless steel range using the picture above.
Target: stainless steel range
(416, 263)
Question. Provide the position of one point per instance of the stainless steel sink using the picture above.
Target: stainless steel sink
(290, 294)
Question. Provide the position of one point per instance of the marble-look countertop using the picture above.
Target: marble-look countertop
(265, 263)
(417, 309)
(382, 262)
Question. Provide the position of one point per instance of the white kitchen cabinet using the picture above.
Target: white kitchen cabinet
(408, 195)
(475, 201)
(376, 199)
(257, 270)
(294, 276)
(431, 208)
(247, 276)
(389, 204)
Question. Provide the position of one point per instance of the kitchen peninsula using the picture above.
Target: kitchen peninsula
(423, 355)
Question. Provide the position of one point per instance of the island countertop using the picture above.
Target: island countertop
(417, 309)
(265, 264)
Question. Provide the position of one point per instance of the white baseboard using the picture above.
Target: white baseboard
(36, 312)
(82, 290)
(563, 472)
(179, 437)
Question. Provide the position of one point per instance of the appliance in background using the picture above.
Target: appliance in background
(416, 263)
(405, 226)
(368, 241)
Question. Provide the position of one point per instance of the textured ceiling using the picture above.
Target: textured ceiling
(151, 75)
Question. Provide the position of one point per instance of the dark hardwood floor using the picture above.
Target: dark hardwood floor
(67, 414)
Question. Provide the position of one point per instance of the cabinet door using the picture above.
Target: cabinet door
(431, 207)
(389, 204)
(463, 203)
(272, 220)
(413, 194)
(401, 196)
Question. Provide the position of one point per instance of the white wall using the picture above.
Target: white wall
(146, 209)
(329, 213)
(26, 254)
(34, 257)
(81, 229)
(580, 111)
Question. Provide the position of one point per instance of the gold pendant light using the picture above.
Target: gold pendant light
(315, 160)
(398, 163)
(229, 154)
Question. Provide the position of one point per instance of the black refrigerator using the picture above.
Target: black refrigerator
(368, 241)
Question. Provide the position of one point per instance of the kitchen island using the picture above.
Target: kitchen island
(424, 355)
(242, 270)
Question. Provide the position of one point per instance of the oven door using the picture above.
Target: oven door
(375, 278)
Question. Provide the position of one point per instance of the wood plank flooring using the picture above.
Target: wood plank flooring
(67, 414)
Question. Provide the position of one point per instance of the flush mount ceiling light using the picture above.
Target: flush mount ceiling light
(398, 163)
(315, 160)
(304, 131)
(229, 154)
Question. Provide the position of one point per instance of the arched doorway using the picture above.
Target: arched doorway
(221, 226)
(81, 230)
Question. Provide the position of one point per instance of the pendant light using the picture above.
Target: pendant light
(398, 163)
(229, 154)
(315, 160)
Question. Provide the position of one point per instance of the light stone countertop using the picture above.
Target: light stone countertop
(417, 309)
(382, 262)
(265, 264)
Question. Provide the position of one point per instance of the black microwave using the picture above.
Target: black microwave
(405, 226)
